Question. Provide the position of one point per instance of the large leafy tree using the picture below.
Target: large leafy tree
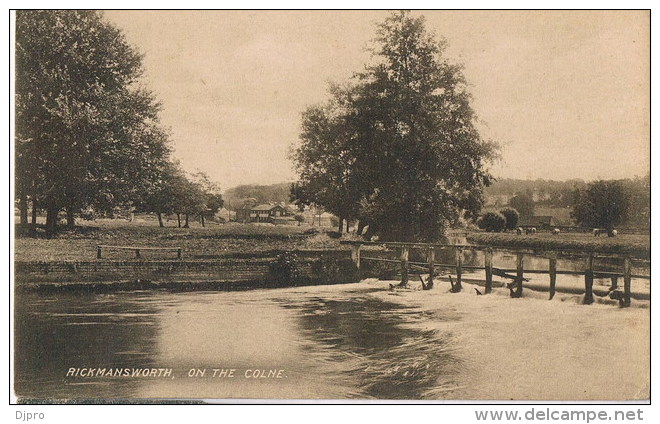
(87, 134)
(603, 204)
(523, 203)
(398, 147)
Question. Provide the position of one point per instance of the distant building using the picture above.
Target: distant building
(261, 213)
(541, 221)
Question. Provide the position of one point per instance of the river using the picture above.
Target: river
(339, 342)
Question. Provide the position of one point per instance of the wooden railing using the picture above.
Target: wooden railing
(516, 287)
(137, 250)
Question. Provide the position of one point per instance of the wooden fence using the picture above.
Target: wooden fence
(517, 274)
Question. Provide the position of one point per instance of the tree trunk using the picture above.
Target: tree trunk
(160, 220)
(24, 209)
(341, 224)
(34, 213)
(186, 225)
(361, 225)
(347, 226)
(178, 220)
(70, 219)
(51, 220)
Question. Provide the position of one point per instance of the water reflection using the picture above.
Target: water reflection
(339, 342)
(54, 334)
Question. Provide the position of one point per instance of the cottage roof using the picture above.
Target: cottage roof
(264, 207)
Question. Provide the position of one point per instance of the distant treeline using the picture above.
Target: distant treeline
(600, 203)
(544, 192)
(235, 197)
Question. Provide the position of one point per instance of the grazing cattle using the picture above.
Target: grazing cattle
(530, 230)
(519, 230)
(598, 231)
(556, 231)
(613, 233)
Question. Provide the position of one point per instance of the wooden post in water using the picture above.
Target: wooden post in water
(488, 265)
(355, 255)
(589, 280)
(627, 277)
(431, 260)
(615, 283)
(553, 275)
(98, 252)
(519, 274)
(459, 269)
(404, 265)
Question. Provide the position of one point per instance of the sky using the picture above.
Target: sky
(565, 93)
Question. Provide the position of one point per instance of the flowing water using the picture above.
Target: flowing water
(354, 341)
(339, 342)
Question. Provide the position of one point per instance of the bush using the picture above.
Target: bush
(511, 217)
(492, 222)
(285, 270)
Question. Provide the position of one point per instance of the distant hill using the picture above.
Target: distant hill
(272, 193)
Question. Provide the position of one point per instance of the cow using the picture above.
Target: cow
(530, 230)
(598, 231)
(556, 232)
(613, 233)
(519, 230)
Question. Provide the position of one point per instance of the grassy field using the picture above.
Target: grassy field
(217, 239)
(638, 245)
(198, 243)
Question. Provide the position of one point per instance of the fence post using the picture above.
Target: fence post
(589, 280)
(404, 265)
(488, 265)
(553, 275)
(615, 283)
(137, 253)
(519, 274)
(98, 252)
(459, 269)
(431, 261)
(627, 276)
(355, 256)
(179, 253)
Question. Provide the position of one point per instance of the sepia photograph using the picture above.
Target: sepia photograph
(306, 206)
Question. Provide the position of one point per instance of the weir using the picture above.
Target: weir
(516, 275)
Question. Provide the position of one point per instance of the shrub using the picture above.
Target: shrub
(492, 222)
(326, 269)
(511, 217)
(285, 270)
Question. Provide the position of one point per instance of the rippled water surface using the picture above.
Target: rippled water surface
(340, 342)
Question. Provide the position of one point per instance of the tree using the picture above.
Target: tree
(638, 191)
(87, 134)
(603, 204)
(212, 196)
(523, 203)
(492, 222)
(167, 189)
(511, 216)
(397, 148)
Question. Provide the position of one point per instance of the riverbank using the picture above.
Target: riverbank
(535, 349)
(210, 242)
(636, 245)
